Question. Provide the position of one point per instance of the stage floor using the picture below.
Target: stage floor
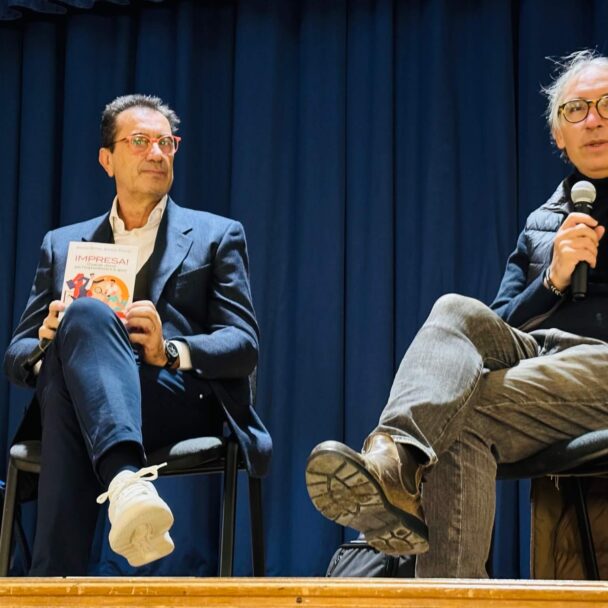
(296, 592)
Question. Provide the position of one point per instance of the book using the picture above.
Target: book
(104, 271)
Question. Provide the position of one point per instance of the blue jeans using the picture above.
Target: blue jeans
(94, 393)
(472, 392)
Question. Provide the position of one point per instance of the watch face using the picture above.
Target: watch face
(171, 352)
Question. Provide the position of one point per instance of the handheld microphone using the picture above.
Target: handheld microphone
(37, 354)
(583, 197)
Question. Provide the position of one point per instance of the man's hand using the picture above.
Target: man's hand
(146, 329)
(576, 241)
(48, 329)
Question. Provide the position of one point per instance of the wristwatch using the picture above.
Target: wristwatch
(171, 353)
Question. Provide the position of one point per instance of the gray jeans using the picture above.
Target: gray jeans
(472, 392)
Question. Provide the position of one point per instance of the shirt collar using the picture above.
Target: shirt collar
(118, 226)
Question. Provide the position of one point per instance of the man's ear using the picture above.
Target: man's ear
(559, 138)
(105, 160)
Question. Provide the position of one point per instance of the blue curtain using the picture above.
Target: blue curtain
(379, 153)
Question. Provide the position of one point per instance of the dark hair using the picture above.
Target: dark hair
(124, 102)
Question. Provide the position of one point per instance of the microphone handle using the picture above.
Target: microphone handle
(579, 281)
(581, 272)
(37, 354)
(583, 207)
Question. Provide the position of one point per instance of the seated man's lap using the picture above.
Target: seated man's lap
(176, 405)
(545, 399)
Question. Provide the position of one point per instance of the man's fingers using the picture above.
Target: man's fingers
(50, 323)
(141, 313)
(45, 333)
(578, 218)
(139, 338)
(141, 325)
(56, 306)
(140, 306)
(141, 303)
(581, 244)
(575, 254)
(579, 231)
(142, 318)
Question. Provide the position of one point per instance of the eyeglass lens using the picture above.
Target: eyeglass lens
(141, 143)
(577, 109)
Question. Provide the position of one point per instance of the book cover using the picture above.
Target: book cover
(100, 270)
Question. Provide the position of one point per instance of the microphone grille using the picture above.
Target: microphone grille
(583, 192)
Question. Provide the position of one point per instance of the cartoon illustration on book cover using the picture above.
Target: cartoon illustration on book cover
(102, 271)
(107, 288)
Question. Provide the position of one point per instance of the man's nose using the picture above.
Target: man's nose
(155, 152)
(593, 117)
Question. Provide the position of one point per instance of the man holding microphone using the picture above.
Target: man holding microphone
(480, 386)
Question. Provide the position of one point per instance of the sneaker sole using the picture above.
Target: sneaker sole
(144, 549)
(342, 490)
(143, 536)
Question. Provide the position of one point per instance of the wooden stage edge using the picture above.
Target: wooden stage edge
(296, 592)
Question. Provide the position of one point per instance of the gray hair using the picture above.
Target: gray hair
(567, 68)
(124, 102)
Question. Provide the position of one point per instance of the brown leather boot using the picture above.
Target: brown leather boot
(376, 492)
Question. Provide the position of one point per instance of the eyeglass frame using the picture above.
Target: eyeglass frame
(589, 102)
(153, 140)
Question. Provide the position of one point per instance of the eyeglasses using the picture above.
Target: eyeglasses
(141, 144)
(576, 110)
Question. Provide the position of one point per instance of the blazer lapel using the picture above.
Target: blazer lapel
(171, 247)
(101, 232)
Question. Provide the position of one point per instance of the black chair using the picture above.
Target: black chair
(572, 461)
(199, 456)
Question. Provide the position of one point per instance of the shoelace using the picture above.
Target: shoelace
(147, 473)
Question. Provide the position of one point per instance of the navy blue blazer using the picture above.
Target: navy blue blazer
(199, 283)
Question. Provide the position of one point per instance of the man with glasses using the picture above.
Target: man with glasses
(480, 386)
(109, 390)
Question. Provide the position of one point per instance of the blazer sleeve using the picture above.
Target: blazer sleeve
(25, 337)
(230, 348)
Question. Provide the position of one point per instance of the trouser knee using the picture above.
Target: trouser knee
(87, 314)
(463, 313)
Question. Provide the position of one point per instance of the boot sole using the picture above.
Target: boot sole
(342, 490)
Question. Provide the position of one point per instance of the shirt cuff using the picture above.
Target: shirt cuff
(185, 360)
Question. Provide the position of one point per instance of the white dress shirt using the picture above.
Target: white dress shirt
(144, 239)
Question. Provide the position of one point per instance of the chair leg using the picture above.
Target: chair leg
(8, 517)
(21, 541)
(575, 489)
(228, 510)
(257, 526)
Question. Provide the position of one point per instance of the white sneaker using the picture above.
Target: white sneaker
(140, 518)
